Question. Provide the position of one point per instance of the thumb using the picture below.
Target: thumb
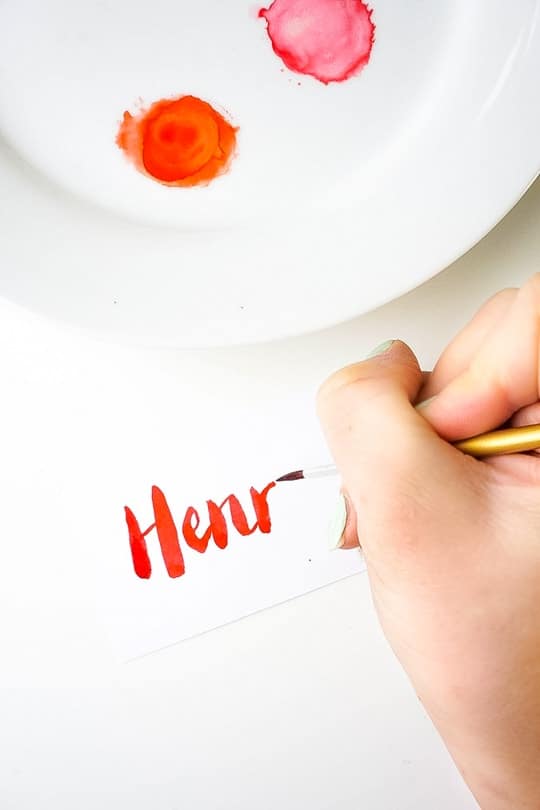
(380, 443)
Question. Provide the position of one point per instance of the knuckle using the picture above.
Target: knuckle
(343, 383)
(531, 288)
(501, 295)
(344, 376)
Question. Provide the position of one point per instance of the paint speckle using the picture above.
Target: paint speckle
(330, 40)
(179, 142)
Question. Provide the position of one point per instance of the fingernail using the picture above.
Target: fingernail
(424, 403)
(380, 349)
(336, 527)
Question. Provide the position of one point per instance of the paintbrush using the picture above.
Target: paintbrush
(495, 443)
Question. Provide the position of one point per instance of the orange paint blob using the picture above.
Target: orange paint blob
(180, 142)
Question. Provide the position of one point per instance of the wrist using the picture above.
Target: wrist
(498, 755)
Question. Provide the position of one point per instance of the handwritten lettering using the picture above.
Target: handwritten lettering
(217, 529)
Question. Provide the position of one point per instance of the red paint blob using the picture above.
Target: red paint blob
(180, 142)
(328, 39)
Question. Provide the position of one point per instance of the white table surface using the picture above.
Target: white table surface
(300, 706)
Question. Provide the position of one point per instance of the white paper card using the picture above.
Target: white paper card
(208, 460)
(89, 429)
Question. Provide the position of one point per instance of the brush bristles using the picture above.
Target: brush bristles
(292, 476)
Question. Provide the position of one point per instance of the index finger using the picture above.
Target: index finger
(501, 376)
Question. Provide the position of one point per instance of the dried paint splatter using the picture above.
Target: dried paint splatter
(179, 142)
(329, 40)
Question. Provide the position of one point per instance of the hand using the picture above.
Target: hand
(451, 543)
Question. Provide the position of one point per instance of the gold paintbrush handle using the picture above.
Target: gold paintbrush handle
(496, 443)
(500, 442)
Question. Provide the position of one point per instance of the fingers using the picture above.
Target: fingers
(500, 378)
(382, 445)
(457, 356)
(398, 474)
(373, 431)
(527, 416)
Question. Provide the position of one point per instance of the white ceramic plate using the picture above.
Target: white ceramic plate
(340, 198)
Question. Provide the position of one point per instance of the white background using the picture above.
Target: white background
(300, 706)
(441, 138)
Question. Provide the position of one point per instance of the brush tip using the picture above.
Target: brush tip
(292, 476)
